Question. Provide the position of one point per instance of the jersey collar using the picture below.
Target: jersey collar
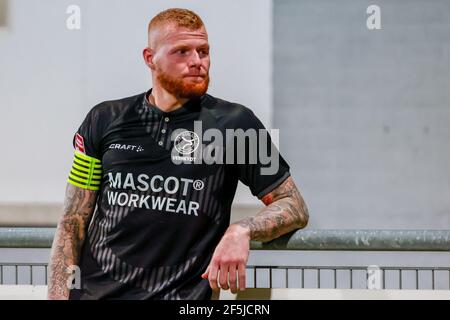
(190, 106)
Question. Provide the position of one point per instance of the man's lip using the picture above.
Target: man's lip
(195, 75)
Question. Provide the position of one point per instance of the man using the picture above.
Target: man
(160, 228)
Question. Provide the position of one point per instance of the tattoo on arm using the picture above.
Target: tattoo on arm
(79, 205)
(285, 211)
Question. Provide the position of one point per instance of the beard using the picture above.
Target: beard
(181, 88)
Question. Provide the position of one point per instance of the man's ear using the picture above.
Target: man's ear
(148, 55)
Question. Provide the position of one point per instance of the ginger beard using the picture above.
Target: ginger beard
(183, 87)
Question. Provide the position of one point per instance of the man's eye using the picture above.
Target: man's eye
(182, 51)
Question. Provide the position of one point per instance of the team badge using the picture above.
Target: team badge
(186, 142)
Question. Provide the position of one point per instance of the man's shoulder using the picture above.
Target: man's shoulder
(224, 108)
(113, 108)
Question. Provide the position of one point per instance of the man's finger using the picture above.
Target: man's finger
(205, 274)
(232, 271)
(223, 278)
(241, 271)
(212, 277)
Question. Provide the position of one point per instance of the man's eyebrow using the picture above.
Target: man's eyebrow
(185, 46)
(180, 46)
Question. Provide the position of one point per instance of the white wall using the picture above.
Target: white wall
(50, 76)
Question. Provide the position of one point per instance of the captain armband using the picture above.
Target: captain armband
(86, 172)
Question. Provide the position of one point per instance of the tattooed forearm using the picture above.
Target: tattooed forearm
(70, 233)
(285, 211)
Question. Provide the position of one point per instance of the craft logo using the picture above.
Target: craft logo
(130, 147)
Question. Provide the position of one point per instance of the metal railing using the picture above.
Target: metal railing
(270, 276)
(339, 240)
(23, 273)
(347, 279)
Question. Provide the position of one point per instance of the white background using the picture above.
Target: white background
(50, 77)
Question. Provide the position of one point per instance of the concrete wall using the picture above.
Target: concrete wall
(364, 115)
(50, 76)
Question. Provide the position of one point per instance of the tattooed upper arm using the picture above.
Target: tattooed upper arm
(289, 196)
(286, 189)
(285, 211)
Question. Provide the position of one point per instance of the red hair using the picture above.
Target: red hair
(180, 17)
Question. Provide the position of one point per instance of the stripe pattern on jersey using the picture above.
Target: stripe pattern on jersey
(155, 280)
(86, 172)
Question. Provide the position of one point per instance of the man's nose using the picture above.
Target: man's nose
(194, 59)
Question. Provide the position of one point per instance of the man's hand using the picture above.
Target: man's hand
(229, 258)
(285, 211)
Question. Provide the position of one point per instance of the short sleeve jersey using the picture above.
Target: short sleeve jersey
(160, 212)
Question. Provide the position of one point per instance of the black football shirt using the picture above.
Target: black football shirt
(157, 221)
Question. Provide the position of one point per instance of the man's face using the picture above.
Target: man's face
(181, 61)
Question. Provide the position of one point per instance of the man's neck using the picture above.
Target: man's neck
(165, 100)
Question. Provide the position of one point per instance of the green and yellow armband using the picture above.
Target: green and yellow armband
(86, 172)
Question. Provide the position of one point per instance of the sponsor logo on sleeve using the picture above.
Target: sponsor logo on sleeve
(79, 143)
